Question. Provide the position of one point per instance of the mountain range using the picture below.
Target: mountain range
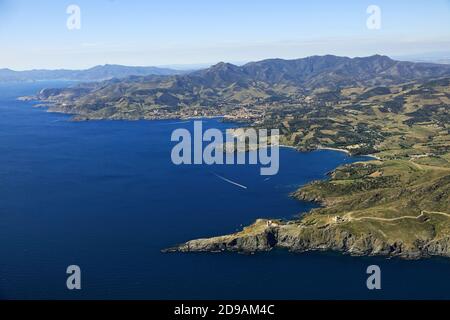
(256, 83)
(320, 71)
(97, 73)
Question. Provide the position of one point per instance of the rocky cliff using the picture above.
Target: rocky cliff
(376, 208)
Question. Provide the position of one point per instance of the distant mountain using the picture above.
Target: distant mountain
(98, 73)
(321, 71)
(224, 84)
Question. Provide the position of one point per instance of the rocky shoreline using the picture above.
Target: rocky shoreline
(346, 222)
(299, 237)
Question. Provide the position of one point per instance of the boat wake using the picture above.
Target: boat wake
(230, 181)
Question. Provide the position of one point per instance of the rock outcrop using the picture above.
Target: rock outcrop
(298, 237)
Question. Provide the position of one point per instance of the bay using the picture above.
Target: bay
(105, 195)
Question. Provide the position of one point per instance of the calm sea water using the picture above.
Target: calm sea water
(105, 196)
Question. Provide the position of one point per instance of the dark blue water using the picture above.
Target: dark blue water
(106, 196)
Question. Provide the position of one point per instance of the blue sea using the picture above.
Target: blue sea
(104, 195)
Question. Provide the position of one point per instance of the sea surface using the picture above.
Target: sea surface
(104, 195)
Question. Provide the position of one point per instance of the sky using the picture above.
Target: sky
(34, 34)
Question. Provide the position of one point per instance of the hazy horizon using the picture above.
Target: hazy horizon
(35, 35)
(425, 57)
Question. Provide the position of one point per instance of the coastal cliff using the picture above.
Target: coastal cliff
(300, 237)
(399, 226)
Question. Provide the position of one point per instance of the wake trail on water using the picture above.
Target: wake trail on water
(230, 181)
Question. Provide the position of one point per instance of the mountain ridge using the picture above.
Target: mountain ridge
(224, 84)
(96, 73)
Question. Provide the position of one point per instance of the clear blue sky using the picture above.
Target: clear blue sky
(33, 34)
